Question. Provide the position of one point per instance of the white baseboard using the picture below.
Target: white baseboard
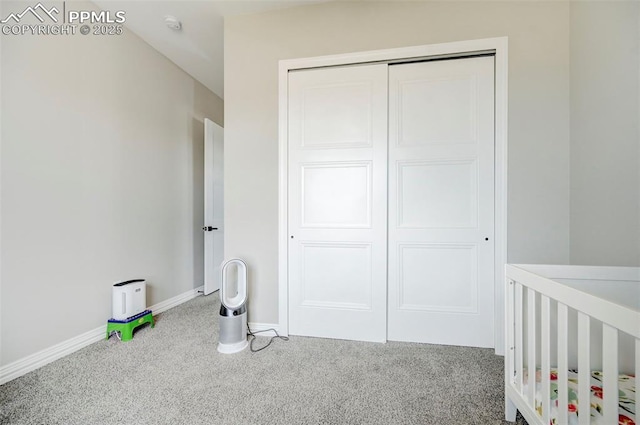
(177, 300)
(37, 360)
(264, 328)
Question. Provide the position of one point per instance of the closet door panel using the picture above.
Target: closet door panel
(337, 202)
(441, 200)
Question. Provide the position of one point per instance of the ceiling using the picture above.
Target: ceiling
(198, 47)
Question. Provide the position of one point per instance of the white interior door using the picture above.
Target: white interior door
(338, 202)
(441, 202)
(213, 227)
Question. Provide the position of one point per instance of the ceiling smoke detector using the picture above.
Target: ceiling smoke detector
(173, 23)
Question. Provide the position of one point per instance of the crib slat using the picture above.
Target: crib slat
(509, 333)
(545, 360)
(610, 374)
(518, 340)
(563, 364)
(637, 380)
(510, 410)
(531, 345)
(584, 369)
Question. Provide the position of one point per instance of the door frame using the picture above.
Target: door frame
(499, 46)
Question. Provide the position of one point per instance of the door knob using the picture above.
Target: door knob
(209, 228)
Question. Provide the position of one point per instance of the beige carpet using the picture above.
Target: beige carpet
(172, 374)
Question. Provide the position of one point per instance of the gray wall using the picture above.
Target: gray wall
(605, 142)
(101, 165)
(539, 104)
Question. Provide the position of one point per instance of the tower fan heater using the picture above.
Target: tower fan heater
(233, 310)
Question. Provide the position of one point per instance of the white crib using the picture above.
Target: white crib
(566, 326)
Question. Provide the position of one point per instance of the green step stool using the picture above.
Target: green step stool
(126, 327)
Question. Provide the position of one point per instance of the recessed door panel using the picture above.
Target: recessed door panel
(336, 194)
(337, 275)
(433, 194)
(449, 271)
(438, 110)
(349, 115)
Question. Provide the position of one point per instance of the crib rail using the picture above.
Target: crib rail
(615, 315)
(531, 300)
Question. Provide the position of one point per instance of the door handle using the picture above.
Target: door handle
(209, 228)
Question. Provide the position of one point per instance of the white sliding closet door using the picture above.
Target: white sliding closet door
(338, 202)
(441, 202)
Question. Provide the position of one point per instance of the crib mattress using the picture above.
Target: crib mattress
(626, 397)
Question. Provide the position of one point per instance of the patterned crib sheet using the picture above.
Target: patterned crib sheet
(626, 397)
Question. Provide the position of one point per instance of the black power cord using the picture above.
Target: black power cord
(253, 338)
